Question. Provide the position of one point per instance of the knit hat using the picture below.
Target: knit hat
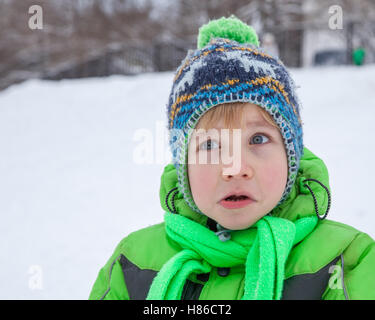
(229, 66)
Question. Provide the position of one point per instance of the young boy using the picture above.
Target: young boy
(245, 202)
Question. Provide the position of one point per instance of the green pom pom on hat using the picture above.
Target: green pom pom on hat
(229, 28)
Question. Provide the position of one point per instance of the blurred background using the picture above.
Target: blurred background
(91, 38)
(83, 91)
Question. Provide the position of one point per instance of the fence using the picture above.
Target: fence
(125, 60)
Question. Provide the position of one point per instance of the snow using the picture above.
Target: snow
(70, 187)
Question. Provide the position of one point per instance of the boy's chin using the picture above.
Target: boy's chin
(235, 226)
(232, 224)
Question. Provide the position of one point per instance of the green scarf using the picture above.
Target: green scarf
(263, 249)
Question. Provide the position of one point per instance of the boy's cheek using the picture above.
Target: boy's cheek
(201, 179)
(275, 177)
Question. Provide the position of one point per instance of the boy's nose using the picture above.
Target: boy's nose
(244, 171)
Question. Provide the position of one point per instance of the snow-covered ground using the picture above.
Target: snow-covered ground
(70, 188)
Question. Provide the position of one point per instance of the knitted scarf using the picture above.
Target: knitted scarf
(262, 248)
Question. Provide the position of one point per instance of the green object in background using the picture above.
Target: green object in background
(358, 56)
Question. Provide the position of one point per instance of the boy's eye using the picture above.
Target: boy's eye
(208, 145)
(259, 139)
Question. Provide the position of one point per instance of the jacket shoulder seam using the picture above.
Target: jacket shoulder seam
(109, 276)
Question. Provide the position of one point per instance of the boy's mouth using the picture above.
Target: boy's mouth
(234, 201)
(236, 198)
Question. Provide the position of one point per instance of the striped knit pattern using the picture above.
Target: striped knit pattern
(222, 72)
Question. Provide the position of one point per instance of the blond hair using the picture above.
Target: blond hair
(232, 114)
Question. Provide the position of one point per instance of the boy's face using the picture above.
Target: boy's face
(258, 169)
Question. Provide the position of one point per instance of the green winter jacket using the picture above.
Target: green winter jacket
(334, 262)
